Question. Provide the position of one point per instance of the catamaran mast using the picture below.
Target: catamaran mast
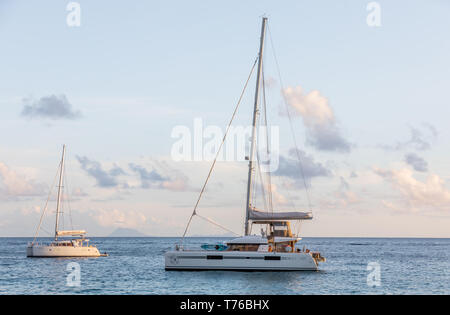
(255, 119)
(61, 174)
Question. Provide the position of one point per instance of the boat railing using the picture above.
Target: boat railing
(39, 244)
(74, 243)
(187, 249)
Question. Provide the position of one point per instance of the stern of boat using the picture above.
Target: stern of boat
(318, 258)
(170, 259)
(30, 250)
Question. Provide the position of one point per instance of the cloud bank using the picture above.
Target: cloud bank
(417, 195)
(290, 167)
(153, 179)
(150, 178)
(103, 177)
(421, 139)
(119, 218)
(14, 185)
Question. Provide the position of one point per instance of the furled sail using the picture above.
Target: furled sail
(256, 215)
(73, 232)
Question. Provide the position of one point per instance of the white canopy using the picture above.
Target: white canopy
(73, 232)
(256, 215)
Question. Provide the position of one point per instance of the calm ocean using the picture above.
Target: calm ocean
(136, 266)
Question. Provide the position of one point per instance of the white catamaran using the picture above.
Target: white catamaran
(273, 250)
(77, 246)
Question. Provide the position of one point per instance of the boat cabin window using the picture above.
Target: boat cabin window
(243, 247)
(280, 229)
(287, 247)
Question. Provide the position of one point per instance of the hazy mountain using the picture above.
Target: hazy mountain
(126, 232)
(213, 235)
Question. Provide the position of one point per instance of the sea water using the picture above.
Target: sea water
(136, 266)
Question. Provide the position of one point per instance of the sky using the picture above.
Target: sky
(366, 84)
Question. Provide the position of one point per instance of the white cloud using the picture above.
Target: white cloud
(417, 195)
(318, 118)
(119, 218)
(79, 192)
(176, 184)
(278, 198)
(341, 199)
(31, 210)
(393, 206)
(346, 198)
(13, 184)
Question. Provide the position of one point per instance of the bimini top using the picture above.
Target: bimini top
(259, 240)
(256, 215)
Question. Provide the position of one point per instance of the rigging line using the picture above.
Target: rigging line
(67, 196)
(45, 207)
(217, 224)
(289, 195)
(291, 200)
(220, 147)
(254, 183)
(297, 227)
(62, 209)
(46, 231)
(62, 212)
(268, 204)
(290, 120)
(269, 179)
(258, 166)
(262, 182)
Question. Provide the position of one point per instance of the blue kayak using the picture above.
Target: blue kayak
(219, 247)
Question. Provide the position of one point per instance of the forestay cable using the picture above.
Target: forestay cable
(218, 151)
(45, 208)
(217, 224)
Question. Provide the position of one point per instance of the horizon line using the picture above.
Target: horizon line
(215, 236)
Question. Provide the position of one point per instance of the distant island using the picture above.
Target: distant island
(126, 232)
(213, 235)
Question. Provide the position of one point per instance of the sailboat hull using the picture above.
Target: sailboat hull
(61, 251)
(239, 260)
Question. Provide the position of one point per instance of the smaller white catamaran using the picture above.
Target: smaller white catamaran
(274, 250)
(77, 246)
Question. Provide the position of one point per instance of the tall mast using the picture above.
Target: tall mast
(61, 174)
(255, 119)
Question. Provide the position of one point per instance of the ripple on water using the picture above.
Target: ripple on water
(136, 266)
